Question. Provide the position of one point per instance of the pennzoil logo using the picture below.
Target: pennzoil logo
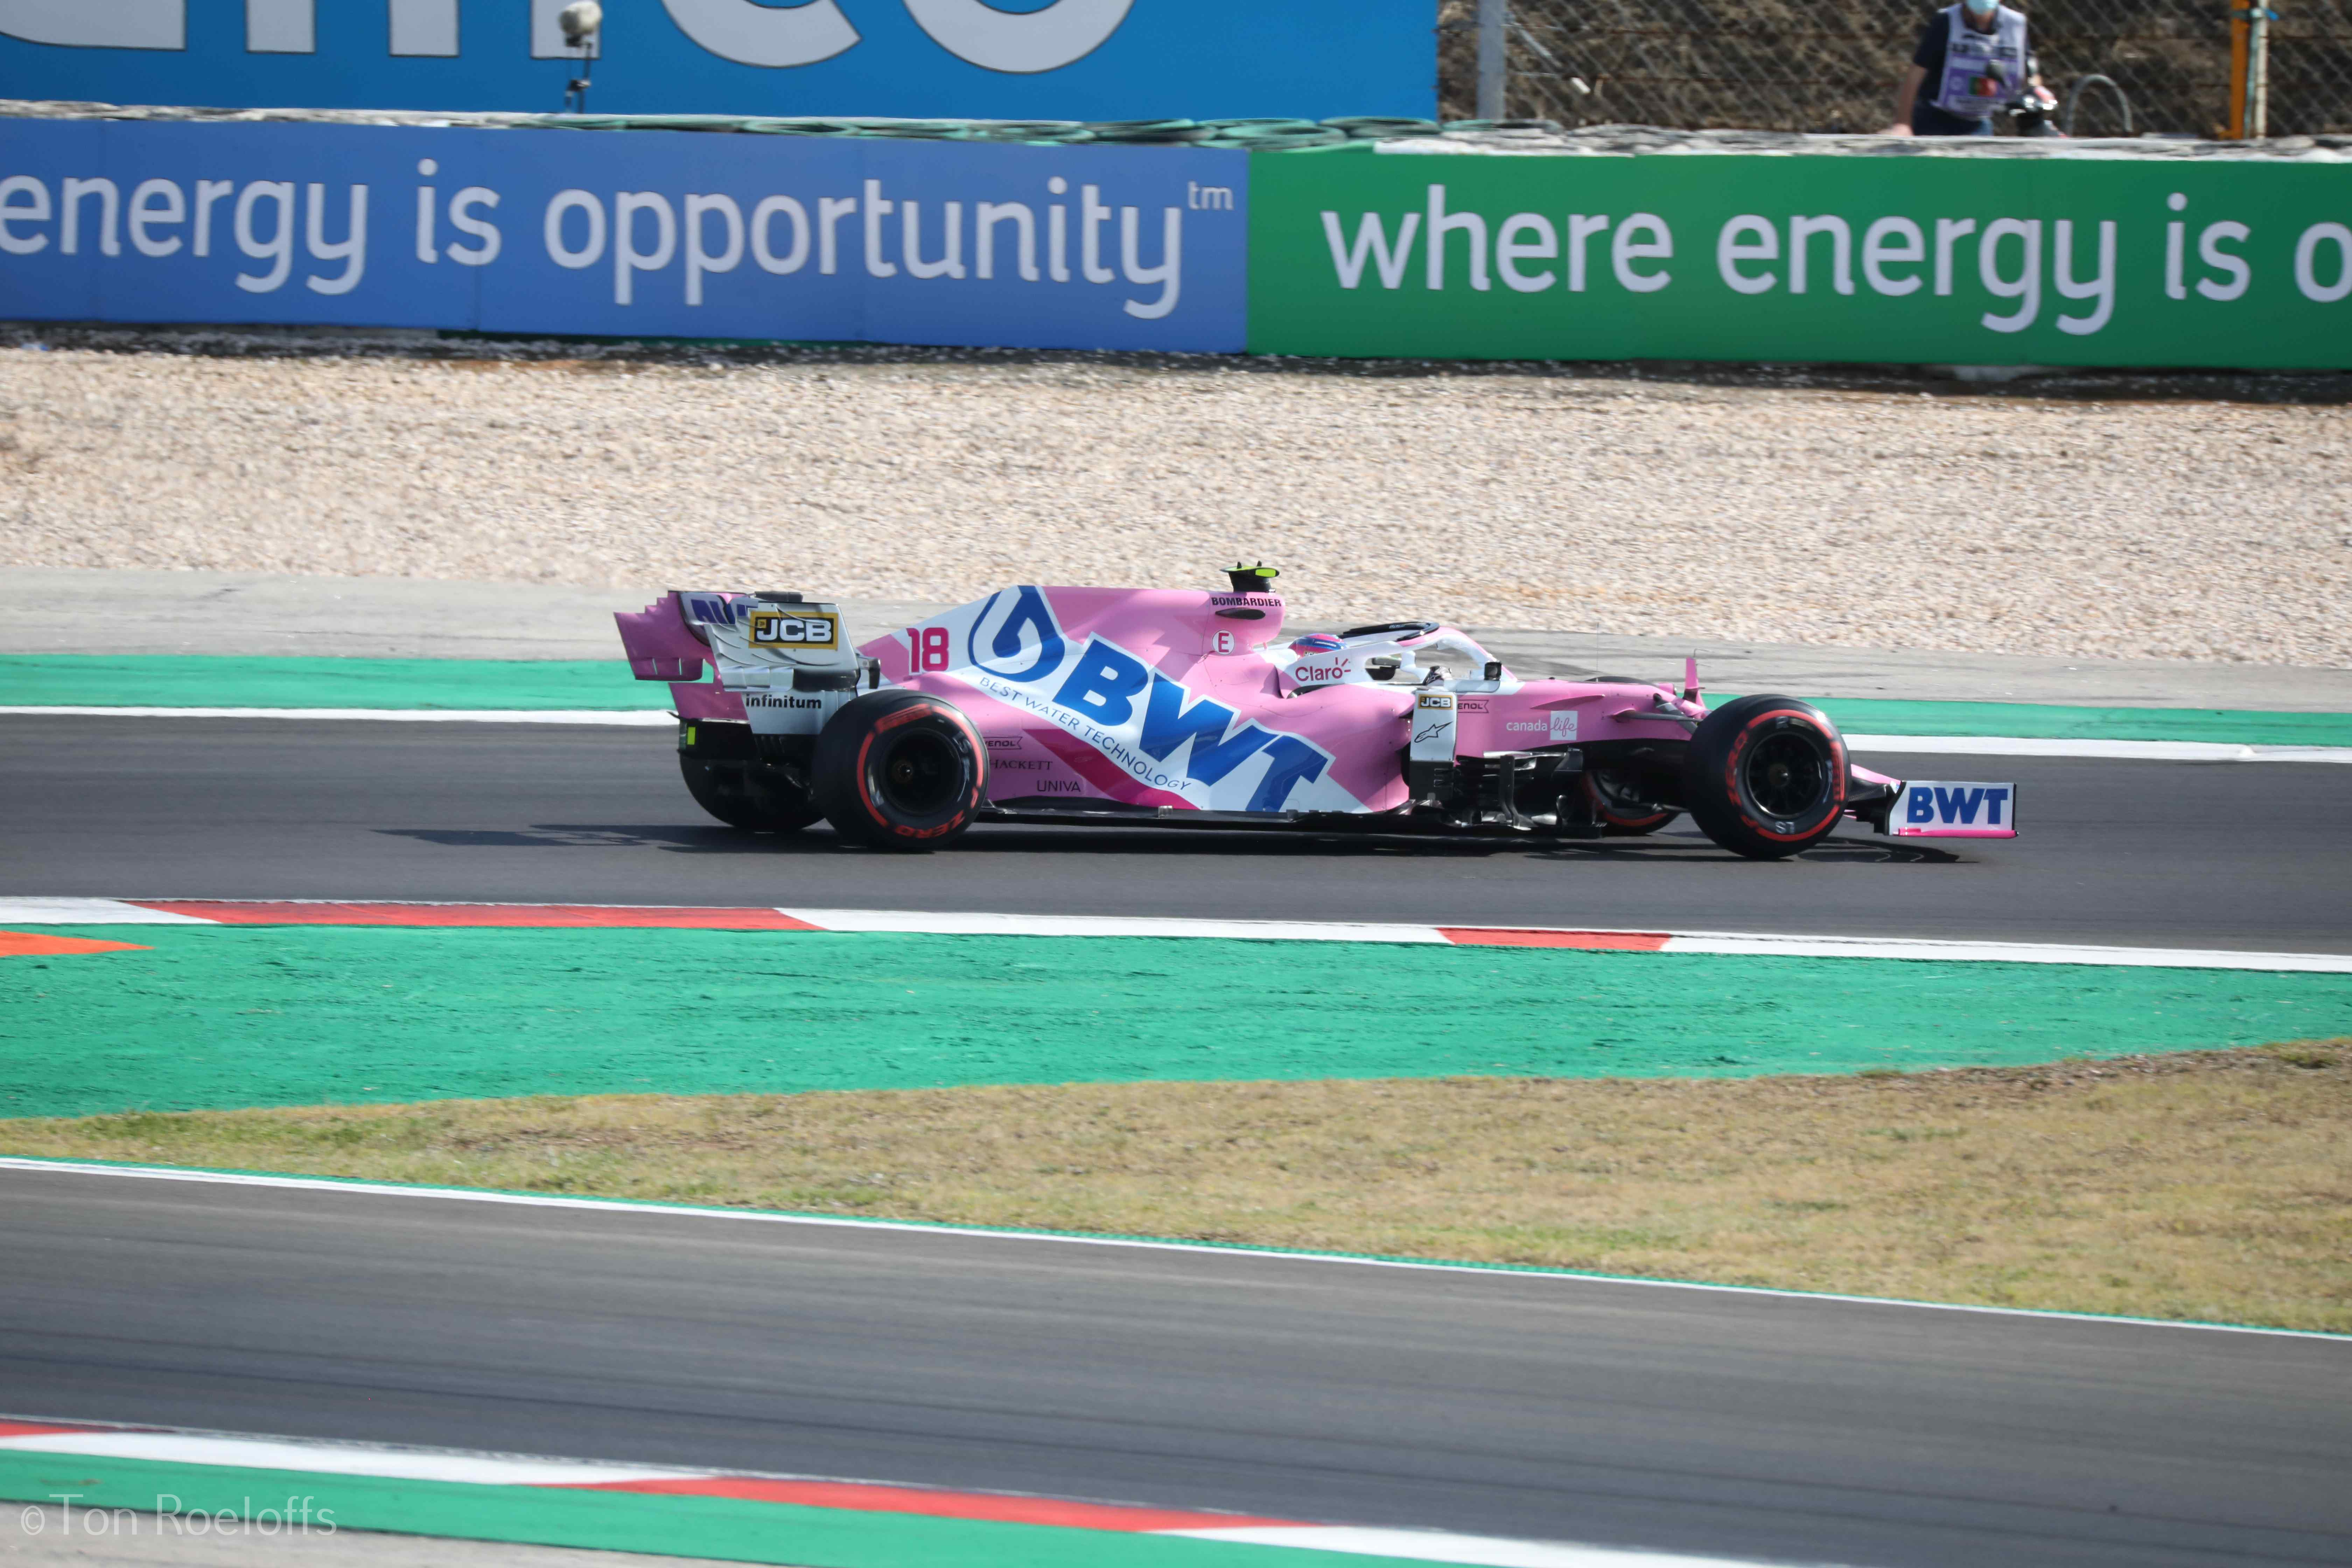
(780, 628)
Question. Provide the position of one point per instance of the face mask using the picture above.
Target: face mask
(1980, 12)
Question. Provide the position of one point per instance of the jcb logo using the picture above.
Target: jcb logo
(775, 629)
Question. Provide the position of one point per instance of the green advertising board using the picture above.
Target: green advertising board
(2081, 260)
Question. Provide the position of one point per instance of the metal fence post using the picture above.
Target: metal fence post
(2257, 71)
(1494, 16)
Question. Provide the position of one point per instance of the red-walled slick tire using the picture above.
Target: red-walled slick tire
(899, 770)
(1766, 776)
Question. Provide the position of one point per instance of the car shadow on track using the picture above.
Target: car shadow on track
(1665, 849)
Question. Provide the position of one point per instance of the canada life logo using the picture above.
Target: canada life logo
(1021, 43)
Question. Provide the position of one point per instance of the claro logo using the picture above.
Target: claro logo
(749, 32)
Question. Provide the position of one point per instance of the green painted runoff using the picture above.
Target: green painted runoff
(217, 1018)
(170, 1496)
(208, 681)
(173, 680)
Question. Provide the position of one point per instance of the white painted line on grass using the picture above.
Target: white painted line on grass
(841, 1222)
(634, 716)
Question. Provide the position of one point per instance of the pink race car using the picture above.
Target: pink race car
(1126, 706)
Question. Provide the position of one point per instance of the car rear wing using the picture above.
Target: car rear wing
(787, 657)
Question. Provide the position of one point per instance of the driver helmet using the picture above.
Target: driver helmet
(1317, 642)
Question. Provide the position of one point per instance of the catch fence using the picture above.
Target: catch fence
(1783, 65)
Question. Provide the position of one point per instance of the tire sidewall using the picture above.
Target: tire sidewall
(856, 744)
(1713, 785)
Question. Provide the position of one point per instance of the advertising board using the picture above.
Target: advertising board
(1076, 59)
(2059, 260)
(624, 233)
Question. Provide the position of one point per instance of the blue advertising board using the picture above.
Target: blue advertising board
(669, 233)
(1001, 59)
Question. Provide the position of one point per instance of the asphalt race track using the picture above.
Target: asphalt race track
(1753, 1427)
(2210, 855)
(1748, 1427)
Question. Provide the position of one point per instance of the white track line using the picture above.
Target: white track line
(333, 1458)
(839, 1222)
(1739, 942)
(20, 911)
(924, 922)
(308, 1456)
(1955, 745)
(89, 913)
(917, 923)
(391, 715)
(2121, 751)
(1426, 1546)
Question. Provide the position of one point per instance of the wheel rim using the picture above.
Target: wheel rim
(1788, 774)
(921, 775)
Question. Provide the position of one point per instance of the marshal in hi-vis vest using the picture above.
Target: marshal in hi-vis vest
(1982, 71)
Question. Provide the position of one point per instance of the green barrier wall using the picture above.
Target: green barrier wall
(1918, 259)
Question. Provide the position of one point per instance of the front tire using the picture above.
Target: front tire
(1766, 776)
(899, 770)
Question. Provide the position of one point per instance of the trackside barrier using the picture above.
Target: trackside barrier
(665, 234)
(1427, 246)
(2075, 260)
(1076, 58)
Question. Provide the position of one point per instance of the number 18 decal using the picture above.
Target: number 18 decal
(929, 646)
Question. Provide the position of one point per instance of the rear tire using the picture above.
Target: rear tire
(899, 770)
(734, 794)
(1766, 776)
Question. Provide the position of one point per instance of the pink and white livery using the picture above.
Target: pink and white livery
(1126, 705)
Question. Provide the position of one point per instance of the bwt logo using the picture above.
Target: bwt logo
(1957, 806)
(1130, 713)
(748, 32)
(1104, 683)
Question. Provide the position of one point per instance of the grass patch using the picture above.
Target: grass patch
(2208, 1185)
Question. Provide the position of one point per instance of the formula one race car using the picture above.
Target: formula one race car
(1127, 706)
